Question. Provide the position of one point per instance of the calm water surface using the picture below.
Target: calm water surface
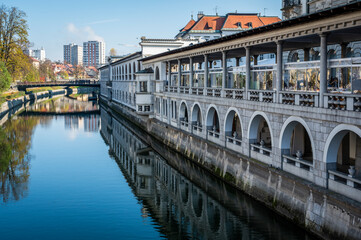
(72, 170)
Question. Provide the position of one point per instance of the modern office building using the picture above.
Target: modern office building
(93, 53)
(38, 54)
(67, 53)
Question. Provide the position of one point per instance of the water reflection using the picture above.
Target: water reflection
(200, 208)
(15, 164)
(16, 138)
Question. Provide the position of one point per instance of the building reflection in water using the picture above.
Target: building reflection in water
(204, 208)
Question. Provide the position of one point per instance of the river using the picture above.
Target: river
(71, 169)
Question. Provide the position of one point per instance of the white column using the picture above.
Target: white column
(205, 74)
(190, 74)
(248, 71)
(225, 72)
(279, 68)
(169, 75)
(179, 74)
(323, 67)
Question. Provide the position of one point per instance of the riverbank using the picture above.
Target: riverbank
(323, 212)
(13, 106)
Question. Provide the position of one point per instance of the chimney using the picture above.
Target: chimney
(200, 14)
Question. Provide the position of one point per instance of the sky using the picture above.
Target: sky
(120, 24)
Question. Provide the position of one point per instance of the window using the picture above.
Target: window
(143, 87)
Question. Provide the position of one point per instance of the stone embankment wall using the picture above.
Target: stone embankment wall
(323, 212)
(20, 101)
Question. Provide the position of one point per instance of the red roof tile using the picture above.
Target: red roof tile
(189, 25)
(209, 23)
(270, 20)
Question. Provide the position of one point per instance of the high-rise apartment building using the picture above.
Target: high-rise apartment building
(38, 54)
(73, 54)
(93, 53)
(67, 53)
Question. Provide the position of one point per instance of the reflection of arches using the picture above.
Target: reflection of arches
(296, 135)
(212, 119)
(197, 203)
(184, 192)
(233, 124)
(197, 115)
(156, 73)
(342, 146)
(183, 112)
(214, 216)
(260, 129)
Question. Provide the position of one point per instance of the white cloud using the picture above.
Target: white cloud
(77, 34)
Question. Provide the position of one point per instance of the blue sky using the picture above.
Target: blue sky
(120, 23)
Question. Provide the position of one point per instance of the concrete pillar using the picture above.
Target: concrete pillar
(190, 72)
(169, 74)
(255, 60)
(237, 61)
(225, 71)
(248, 71)
(205, 74)
(279, 68)
(306, 54)
(179, 74)
(323, 67)
(343, 49)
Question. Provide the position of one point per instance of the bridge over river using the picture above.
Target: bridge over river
(84, 83)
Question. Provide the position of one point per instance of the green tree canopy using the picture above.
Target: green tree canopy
(5, 78)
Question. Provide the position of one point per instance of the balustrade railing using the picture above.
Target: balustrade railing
(234, 140)
(262, 95)
(173, 89)
(214, 92)
(184, 123)
(261, 149)
(345, 179)
(309, 99)
(197, 128)
(234, 93)
(213, 133)
(197, 91)
(341, 101)
(301, 163)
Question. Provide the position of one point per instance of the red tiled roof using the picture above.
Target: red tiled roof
(209, 23)
(233, 20)
(189, 25)
(270, 20)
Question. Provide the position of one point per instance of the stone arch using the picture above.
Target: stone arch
(293, 56)
(183, 111)
(230, 121)
(212, 118)
(288, 130)
(197, 114)
(253, 126)
(156, 73)
(334, 140)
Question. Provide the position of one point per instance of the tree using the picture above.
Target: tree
(64, 75)
(5, 78)
(112, 52)
(78, 72)
(46, 71)
(13, 40)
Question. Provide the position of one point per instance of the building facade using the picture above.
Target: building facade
(93, 53)
(38, 54)
(67, 53)
(300, 116)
